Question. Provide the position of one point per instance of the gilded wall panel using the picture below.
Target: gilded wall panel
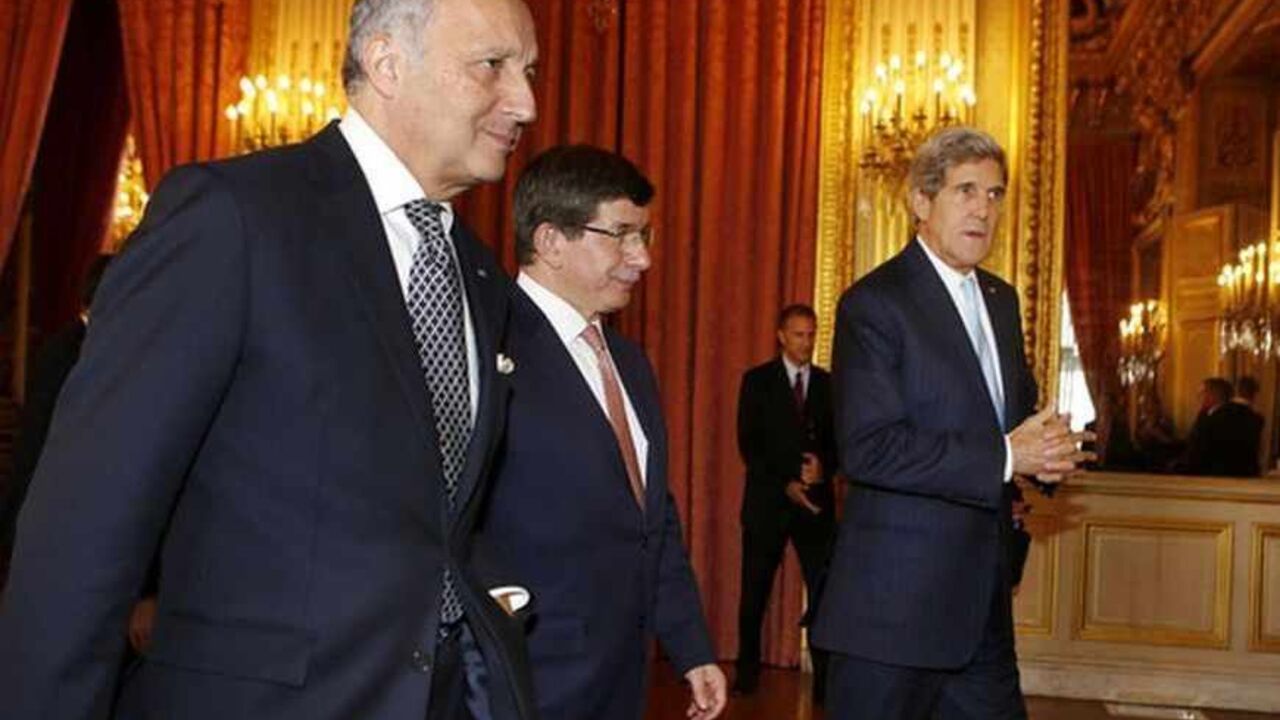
(1264, 582)
(1034, 603)
(1155, 582)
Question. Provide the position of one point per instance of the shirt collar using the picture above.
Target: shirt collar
(792, 369)
(950, 276)
(390, 181)
(564, 318)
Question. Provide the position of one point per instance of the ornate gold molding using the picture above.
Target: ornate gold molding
(1039, 240)
(837, 183)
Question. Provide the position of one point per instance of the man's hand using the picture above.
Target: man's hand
(810, 469)
(1021, 509)
(1044, 446)
(140, 622)
(709, 689)
(796, 493)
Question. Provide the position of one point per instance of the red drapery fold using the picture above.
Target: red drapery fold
(183, 62)
(75, 174)
(31, 35)
(1099, 235)
(720, 107)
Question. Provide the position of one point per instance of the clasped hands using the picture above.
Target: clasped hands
(810, 475)
(1044, 447)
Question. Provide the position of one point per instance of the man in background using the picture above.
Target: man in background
(786, 441)
(57, 355)
(1250, 423)
(580, 512)
(1226, 434)
(289, 392)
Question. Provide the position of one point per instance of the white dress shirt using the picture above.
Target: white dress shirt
(393, 187)
(569, 324)
(951, 279)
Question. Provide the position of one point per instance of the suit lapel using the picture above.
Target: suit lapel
(1006, 341)
(351, 214)
(559, 370)
(931, 296)
(483, 297)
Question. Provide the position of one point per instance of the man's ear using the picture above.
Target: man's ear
(548, 244)
(920, 205)
(384, 64)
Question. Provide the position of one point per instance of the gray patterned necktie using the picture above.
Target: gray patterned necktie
(434, 299)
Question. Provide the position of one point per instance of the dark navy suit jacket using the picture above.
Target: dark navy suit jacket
(605, 577)
(249, 405)
(772, 437)
(924, 542)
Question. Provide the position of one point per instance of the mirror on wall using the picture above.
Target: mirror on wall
(1173, 231)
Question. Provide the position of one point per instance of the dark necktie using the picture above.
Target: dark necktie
(617, 411)
(798, 391)
(434, 299)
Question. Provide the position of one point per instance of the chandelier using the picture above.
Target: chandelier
(907, 102)
(1249, 312)
(287, 104)
(131, 196)
(1142, 337)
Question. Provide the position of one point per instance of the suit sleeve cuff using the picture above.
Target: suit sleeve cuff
(1008, 459)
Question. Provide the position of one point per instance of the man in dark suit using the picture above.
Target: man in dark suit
(1250, 423)
(290, 392)
(929, 376)
(58, 354)
(785, 438)
(580, 510)
(1225, 437)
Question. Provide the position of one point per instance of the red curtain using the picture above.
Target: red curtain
(721, 107)
(183, 62)
(719, 104)
(75, 175)
(31, 34)
(1099, 235)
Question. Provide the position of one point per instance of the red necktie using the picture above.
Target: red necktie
(617, 411)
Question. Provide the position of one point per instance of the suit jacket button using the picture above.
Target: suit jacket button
(420, 662)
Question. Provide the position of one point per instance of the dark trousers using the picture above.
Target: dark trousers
(763, 544)
(460, 679)
(987, 688)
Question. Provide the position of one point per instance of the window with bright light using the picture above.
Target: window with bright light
(1073, 392)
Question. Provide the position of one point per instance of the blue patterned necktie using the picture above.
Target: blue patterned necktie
(434, 299)
(978, 336)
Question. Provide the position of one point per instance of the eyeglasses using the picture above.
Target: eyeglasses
(633, 239)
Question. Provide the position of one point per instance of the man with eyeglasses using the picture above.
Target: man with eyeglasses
(580, 513)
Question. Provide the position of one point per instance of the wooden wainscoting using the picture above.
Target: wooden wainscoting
(1154, 589)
